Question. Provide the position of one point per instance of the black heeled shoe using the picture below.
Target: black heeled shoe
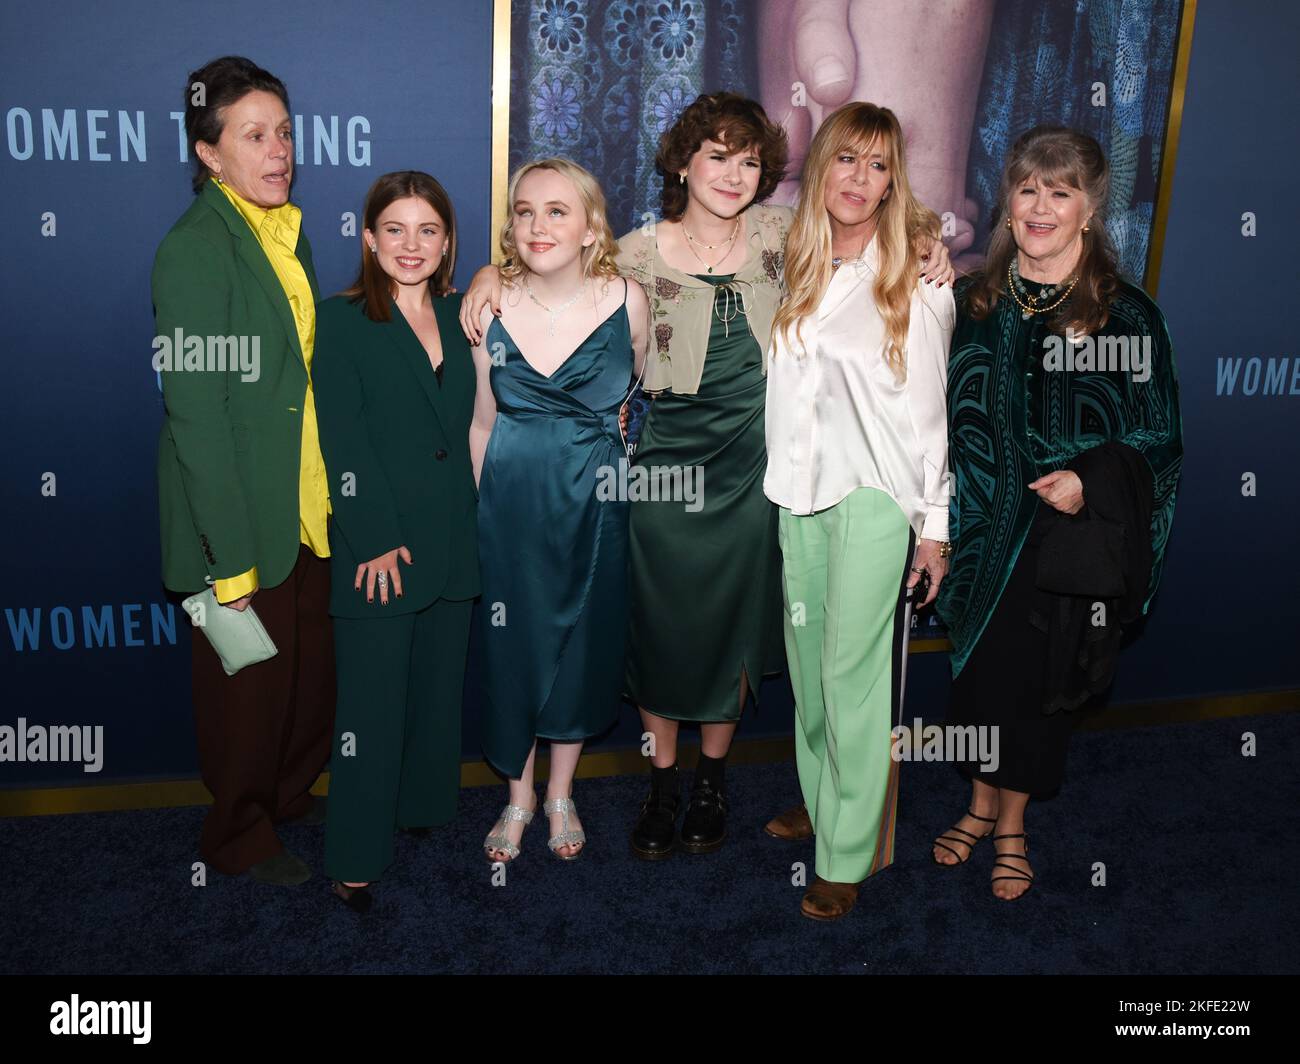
(358, 899)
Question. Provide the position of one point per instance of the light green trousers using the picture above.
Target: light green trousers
(846, 644)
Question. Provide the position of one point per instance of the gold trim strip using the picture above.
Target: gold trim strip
(1173, 127)
(1191, 710)
(160, 794)
(500, 121)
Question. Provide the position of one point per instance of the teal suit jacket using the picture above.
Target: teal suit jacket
(396, 446)
(228, 453)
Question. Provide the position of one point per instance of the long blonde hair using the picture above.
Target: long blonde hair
(857, 128)
(598, 259)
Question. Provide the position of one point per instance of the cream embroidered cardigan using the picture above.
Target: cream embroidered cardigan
(681, 305)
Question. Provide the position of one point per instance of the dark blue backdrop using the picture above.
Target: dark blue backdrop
(412, 78)
(81, 400)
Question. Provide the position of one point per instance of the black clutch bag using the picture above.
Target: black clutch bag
(1082, 555)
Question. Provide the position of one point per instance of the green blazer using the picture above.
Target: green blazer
(396, 446)
(229, 450)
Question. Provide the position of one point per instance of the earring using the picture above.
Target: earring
(1086, 229)
(373, 251)
(1008, 223)
(681, 179)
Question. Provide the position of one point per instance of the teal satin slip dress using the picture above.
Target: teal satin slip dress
(552, 548)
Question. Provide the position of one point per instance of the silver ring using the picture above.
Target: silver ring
(383, 579)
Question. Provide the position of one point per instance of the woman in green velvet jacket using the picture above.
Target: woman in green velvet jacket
(395, 395)
(1062, 399)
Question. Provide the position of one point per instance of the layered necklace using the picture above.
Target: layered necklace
(1029, 303)
(692, 244)
(554, 314)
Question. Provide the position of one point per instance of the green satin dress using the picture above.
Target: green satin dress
(704, 582)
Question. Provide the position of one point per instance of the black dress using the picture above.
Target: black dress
(1015, 414)
(1003, 685)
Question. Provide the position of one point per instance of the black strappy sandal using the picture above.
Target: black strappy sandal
(1022, 874)
(970, 846)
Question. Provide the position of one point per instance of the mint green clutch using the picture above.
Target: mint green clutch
(236, 635)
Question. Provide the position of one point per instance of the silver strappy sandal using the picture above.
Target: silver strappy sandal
(494, 843)
(564, 837)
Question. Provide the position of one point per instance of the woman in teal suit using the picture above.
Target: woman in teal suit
(395, 395)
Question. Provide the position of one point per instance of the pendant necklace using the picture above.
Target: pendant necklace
(837, 262)
(691, 242)
(554, 314)
(1034, 304)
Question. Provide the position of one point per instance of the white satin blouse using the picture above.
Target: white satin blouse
(838, 419)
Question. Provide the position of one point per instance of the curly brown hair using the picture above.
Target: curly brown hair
(735, 121)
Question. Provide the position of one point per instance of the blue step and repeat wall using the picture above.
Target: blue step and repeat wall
(94, 172)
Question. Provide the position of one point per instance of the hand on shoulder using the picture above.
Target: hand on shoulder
(941, 302)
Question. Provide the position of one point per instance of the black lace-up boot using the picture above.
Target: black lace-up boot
(705, 824)
(656, 828)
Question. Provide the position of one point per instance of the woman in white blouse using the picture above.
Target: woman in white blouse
(857, 444)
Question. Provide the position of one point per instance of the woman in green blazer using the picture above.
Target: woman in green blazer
(242, 494)
(395, 396)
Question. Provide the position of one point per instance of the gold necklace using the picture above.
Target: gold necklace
(691, 242)
(1027, 312)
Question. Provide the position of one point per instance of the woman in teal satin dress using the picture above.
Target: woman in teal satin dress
(554, 371)
(554, 554)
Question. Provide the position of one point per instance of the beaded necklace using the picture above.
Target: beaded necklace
(1032, 304)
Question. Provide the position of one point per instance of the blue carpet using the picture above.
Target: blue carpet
(1198, 844)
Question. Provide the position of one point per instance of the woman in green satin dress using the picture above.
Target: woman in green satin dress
(704, 588)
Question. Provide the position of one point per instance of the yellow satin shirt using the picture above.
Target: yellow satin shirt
(277, 231)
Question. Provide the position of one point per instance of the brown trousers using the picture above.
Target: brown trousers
(264, 733)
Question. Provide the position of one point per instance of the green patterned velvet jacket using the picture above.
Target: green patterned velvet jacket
(1021, 403)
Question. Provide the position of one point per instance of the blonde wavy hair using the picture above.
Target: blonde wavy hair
(598, 259)
(902, 224)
